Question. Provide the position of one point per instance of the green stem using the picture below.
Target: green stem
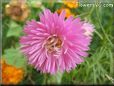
(45, 79)
(58, 77)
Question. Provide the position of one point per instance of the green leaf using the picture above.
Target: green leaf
(14, 29)
(14, 57)
(34, 3)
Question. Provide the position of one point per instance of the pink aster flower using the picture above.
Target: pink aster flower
(88, 29)
(55, 43)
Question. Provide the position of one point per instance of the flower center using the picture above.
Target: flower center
(16, 10)
(53, 44)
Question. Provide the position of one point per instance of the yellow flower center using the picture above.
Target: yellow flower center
(53, 44)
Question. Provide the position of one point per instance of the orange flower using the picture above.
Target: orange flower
(71, 3)
(11, 74)
(17, 10)
(68, 12)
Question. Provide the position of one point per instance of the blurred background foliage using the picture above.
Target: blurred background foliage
(98, 67)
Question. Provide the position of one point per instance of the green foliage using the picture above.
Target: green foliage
(14, 30)
(14, 57)
(33, 77)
